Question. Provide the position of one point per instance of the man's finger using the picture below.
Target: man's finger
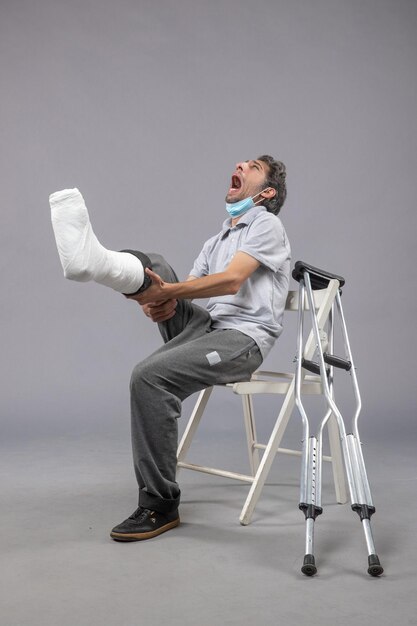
(163, 312)
(168, 305)
(163, 317)
(155, 277)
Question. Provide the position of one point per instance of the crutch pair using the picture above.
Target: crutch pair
(310, 279)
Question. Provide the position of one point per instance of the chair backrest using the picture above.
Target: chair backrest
(293, 299)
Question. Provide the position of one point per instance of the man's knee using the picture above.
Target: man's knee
(141, 373)
(162, 268)
(156, 259)
(152, 389)
(149, 373)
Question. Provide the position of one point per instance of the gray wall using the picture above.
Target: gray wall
(146, 106)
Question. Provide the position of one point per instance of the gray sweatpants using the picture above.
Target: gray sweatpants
(194, 356)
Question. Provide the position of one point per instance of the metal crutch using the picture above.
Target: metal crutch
(310, 278)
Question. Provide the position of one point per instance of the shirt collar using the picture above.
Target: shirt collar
(246, 219)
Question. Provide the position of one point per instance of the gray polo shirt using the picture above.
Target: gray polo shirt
(257, 308)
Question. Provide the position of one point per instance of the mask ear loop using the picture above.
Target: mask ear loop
(259, 192)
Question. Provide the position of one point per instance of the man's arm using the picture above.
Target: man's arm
(221, 284)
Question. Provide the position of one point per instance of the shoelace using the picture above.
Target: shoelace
(140, 514)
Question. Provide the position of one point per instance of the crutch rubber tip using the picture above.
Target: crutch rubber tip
(309, 566)
(375, 568)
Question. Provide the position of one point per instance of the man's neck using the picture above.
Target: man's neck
(235, 220)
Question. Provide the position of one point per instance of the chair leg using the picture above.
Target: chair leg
(268, 457)
(193, 423)
(249, 419)
(338, 467)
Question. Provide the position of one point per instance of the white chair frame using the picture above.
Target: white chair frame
(263, 382)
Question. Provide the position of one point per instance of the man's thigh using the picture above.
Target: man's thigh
(217, 357)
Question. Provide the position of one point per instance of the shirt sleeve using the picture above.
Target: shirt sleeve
(267, 242)
(200, 267)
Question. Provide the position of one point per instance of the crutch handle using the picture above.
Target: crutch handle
(313, 367)
(337, 361)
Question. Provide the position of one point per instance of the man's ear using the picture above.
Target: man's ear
(269, 192)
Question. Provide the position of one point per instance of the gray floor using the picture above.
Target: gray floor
(62, 495)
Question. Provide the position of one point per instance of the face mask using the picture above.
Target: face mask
(238, 208)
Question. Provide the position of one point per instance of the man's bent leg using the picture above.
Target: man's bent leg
(159, 385)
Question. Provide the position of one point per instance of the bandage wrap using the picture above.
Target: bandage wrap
(82, 256)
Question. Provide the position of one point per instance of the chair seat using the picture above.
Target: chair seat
(280, 384)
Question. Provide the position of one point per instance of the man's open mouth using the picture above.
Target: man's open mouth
(235, 184)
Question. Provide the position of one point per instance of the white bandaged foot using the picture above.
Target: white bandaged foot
(82, 256)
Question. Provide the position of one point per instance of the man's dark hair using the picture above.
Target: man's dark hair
(275, 178)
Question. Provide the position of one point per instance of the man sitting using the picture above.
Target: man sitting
(244, 270)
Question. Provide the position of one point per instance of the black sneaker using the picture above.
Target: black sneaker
(144, 524)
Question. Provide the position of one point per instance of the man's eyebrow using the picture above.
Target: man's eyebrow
(255, 161)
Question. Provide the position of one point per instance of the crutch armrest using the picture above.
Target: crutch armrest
(319, 278)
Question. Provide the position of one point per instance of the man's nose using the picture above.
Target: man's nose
(240, 166)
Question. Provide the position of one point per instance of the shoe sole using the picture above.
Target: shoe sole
(141, 536)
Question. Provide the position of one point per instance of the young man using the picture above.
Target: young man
(244, 271)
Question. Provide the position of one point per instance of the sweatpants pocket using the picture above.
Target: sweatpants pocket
(234, 359)
(235, 355)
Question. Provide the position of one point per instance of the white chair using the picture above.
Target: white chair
(265, 382)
